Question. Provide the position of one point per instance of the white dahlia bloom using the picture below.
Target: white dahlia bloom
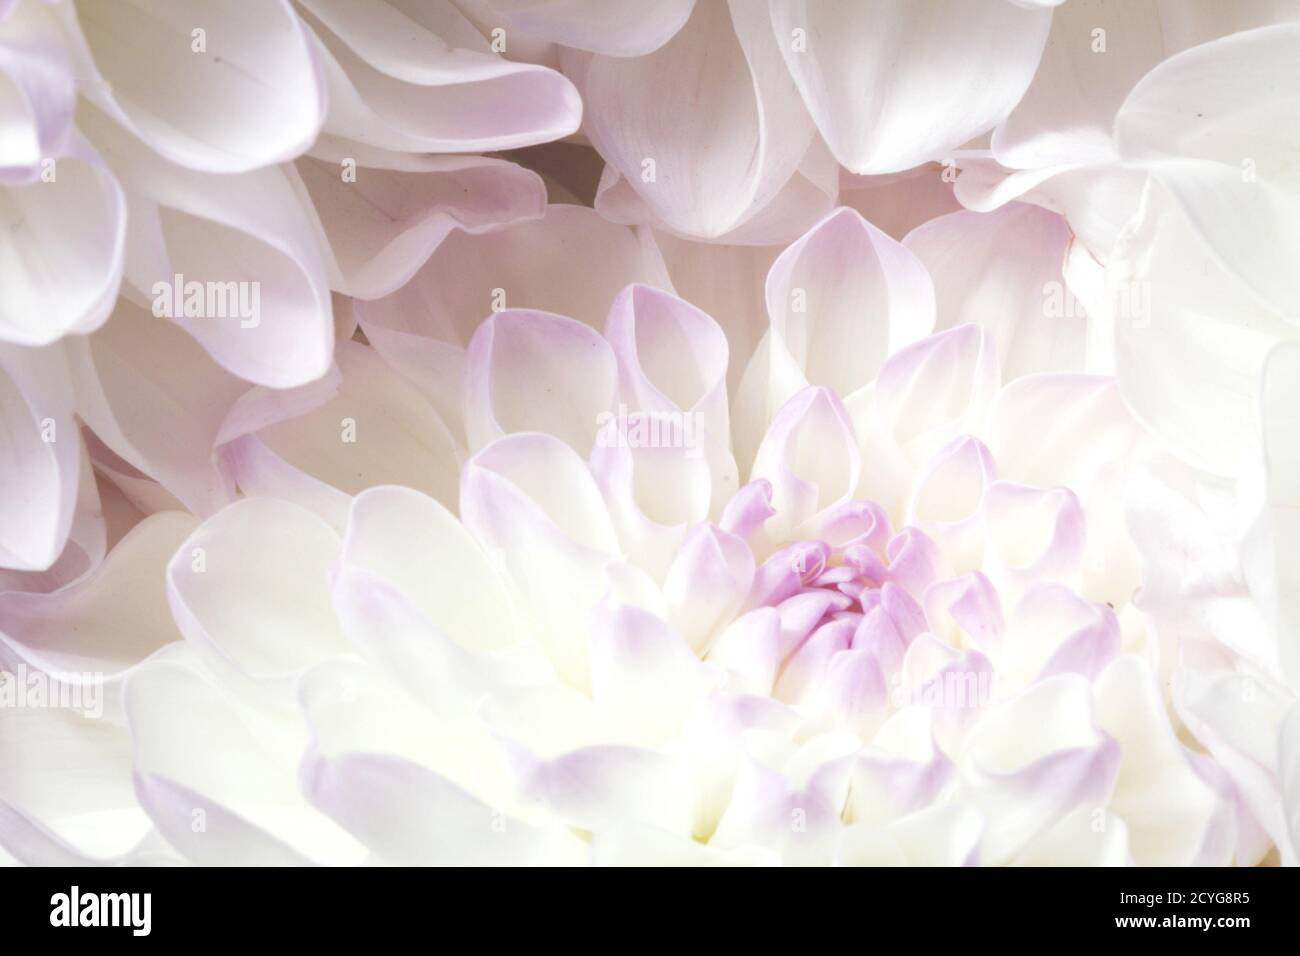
(566, 432)
(906, 636)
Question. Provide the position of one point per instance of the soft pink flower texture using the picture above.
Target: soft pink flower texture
(684, 432)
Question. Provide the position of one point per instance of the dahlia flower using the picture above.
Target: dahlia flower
(817, 433)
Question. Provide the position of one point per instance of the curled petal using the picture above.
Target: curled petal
(380, 225)
(421, 78)
(61, 259)
(725, 282)
(650, 331)
(936, 388)
(1053, 631)
(706, 583)
(810, 456)
(656, 119)
(157, 399)
(946, 496)
(244, 105)
(902, 772)
(966, 610)
(533, 371)
(865, 72)
(571, 262)
(823, 287)
(656, 483)
(1032, 534)
(90, 634)
(232, 259)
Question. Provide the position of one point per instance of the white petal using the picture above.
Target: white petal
(61, 251)
(228, 107)
(102, 517)
(810, 456)
(382, 224)
(866, 72)
(598, 788)
(1053, 630)
(1031, 535)
(40, 467)
(532, 501)
(936, 388)
(936, 836)
(37, 95)
(645, 680)
(707, 128)
(1095, 54)
(156, 398)
(808, 195)
(1185, 372)
(529, 371)
(365, 428)
(1085, 837)
(617, 28)
(570, 262)
(843, 299)
(706, 583)
(410, 816)
(1003, 271)
(276, 556)
(1171, 813)
(726, 282)
(1270, 553)
(672, 360)
(233, 801)
(95, 630)
(1062, 430)
(1221, 146)
(67, 786)
(656, 484)
(271, 326)
(1033, 760)
(417, 545)
(420, 78)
